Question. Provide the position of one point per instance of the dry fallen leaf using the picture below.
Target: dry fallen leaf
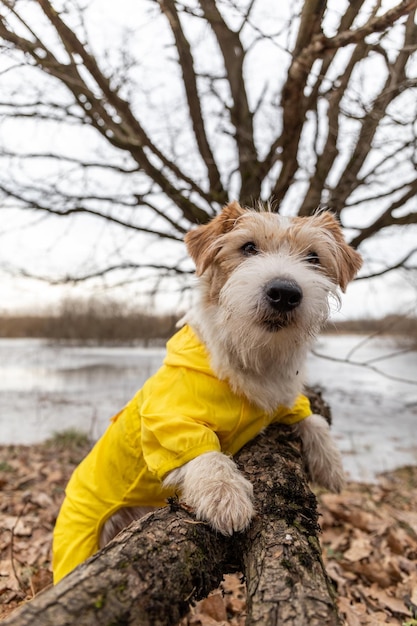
(360, 547)
(393, 604)
(213, 607)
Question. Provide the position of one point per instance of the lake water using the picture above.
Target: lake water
(46, 388)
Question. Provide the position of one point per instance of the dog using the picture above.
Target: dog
(236, 365)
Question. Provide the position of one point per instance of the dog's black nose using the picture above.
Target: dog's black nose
(283, 295)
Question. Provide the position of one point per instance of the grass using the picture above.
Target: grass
(5, 467)
(70, 438)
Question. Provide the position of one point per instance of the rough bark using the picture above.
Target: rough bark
(152, 570)
(146, 576)
(286, 580)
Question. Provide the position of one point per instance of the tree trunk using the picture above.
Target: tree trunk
(148, 575)
(286, 580)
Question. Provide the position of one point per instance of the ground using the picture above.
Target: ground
(369, 539)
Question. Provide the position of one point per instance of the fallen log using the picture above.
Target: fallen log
(148, 575)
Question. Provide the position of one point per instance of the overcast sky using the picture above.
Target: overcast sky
(55, 246)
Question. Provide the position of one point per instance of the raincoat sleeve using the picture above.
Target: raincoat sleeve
(179, 418)
(297, 413)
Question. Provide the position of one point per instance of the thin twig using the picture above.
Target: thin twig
(366, 366)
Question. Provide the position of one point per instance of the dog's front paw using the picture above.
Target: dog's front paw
(322, 458)
(329, 475)
(213, 486)
(226, 503)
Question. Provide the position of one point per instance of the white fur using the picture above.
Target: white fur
(213, 486)
(321, 456)
(266, 367)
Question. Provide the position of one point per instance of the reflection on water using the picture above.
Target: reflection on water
(47, 387)
(374, 416)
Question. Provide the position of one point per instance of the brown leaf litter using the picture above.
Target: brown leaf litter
(369, 540)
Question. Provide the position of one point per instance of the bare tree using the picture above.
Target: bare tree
(309, 104)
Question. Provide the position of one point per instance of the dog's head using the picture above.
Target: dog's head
(274, 271)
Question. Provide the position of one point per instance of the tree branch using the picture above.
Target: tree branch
(366, 365)
(126, 134)
(29, 203)
(186, 62)
(68, 159)
(326, 159)
(320, 44)
(401, 264)
(334, 95)
(241, 115)
(173, 270)
(387, 218)
(294, 104)
(293, 100)
(348, 180)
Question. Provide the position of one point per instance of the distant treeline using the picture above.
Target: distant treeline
(110, 321)
(400, 325)
(91, 320)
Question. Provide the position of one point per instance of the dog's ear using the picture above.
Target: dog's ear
(201, 242)
(347, 262)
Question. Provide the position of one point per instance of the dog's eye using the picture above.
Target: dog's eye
(249, 249)
(313, 258)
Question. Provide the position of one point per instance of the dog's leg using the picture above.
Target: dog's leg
(213, 486)
(122, 518)
(322, 458)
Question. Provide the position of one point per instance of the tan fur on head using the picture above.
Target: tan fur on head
(201, 241)
(342, 261)
(347, 261)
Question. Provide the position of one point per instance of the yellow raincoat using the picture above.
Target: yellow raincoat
(180, 412)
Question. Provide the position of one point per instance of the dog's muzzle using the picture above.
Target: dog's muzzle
(283, 295)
